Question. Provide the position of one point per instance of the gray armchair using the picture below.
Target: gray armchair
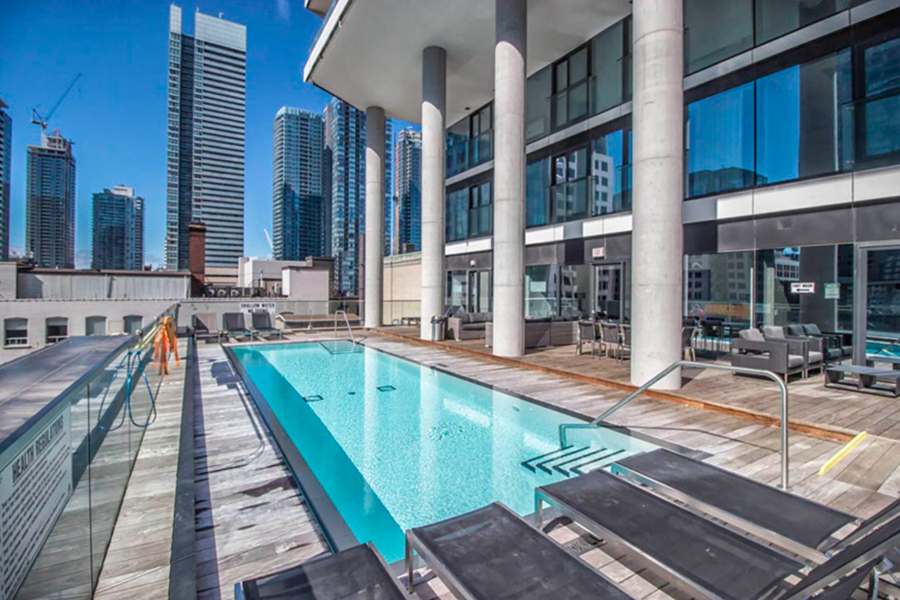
(810, 348)
(753, 351)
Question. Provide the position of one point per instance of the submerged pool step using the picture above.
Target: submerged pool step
(341, 346)
(572, 455)
(571, 460)
(529, 464)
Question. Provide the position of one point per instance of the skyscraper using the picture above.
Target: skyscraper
(5, 153)
(118, 230)
(300, 212)
(408, 189)
(346, 134)
(50, 202)
(207, 91)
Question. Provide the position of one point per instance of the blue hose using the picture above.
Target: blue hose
(132, 361)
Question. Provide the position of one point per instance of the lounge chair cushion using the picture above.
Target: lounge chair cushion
(751, 335)
(815, 357)
(795, 360)
(795, 330)
(812, 329)
(773, 331)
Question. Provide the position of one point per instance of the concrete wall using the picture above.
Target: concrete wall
(402, 287)
(85, 285)
(303, 283)
(76, 311)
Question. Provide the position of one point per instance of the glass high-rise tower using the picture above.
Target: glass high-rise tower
(301, 226)
(207, 92)
(346, 139)
(50, 202)
(118, 230)
(408, 186)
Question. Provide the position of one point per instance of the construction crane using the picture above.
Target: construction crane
(271, 245)
(38, 119)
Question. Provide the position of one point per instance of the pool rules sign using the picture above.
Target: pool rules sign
(34, 487)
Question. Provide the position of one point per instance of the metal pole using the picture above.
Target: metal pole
(785, 459)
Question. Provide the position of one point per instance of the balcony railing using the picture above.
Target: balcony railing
(79, 450)
(471, 223)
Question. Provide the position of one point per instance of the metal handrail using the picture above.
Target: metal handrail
(346, 322)
(600, 421)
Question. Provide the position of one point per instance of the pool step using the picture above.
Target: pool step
(571, 460)
(341, 346)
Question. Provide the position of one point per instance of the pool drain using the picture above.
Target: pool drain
(386, 388)
(315, 398)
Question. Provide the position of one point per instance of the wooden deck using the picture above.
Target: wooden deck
(252, 520)
(812, 405)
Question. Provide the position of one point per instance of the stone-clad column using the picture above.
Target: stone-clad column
(434, 101)
(374, 215)
(657, 237)
(509, 177)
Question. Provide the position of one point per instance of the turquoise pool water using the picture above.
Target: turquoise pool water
(398, 445)
(882, 348)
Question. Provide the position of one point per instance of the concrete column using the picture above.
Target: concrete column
(374, 215)
(509, 177)
(434, 103)
(657, 236)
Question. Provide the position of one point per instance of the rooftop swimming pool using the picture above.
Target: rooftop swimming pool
(396, 444)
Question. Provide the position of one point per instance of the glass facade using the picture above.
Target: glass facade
(774, 286)
(715, 30)
(584, 182)
(835, 113)
(469, 213)
(470, 142)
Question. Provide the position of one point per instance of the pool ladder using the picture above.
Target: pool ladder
(570, 460)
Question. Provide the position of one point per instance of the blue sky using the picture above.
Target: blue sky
(116, 113)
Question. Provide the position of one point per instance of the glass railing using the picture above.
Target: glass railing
(63, 474)
(321, 28)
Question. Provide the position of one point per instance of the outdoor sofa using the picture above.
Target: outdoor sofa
(468, 325)
(751, 350)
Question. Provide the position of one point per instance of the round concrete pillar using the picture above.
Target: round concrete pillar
(658, 159)
(374, 215)
(434, 101)
(509, 177)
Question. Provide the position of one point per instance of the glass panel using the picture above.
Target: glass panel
(776, 303)
(610, 285)
(541, 291)
(883, 293)
(456, 288)
(57, 329)
(578, 66)
(718, 286)
(607, 176)
(457, 215)
(716, 30)
(458, 147)
(720, 142)
(881, 110)
(561, 81)
(480, 291)
(537, 182)
(775, 18)
(575, 287)
(560, 110)
(537, 105)
(578, 101)
(608, 68)
(798, 119)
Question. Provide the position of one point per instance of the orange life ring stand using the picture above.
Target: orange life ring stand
(165, 341)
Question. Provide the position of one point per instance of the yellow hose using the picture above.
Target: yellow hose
(842, 452)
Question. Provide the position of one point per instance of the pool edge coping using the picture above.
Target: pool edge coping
(335, 530)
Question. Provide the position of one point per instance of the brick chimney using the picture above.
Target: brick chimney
(197, 257)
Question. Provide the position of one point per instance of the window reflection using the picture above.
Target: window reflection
(881, 108)
(775, 18)
(718, 286)
(715, 30)
(720, 142)
(798, 119)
